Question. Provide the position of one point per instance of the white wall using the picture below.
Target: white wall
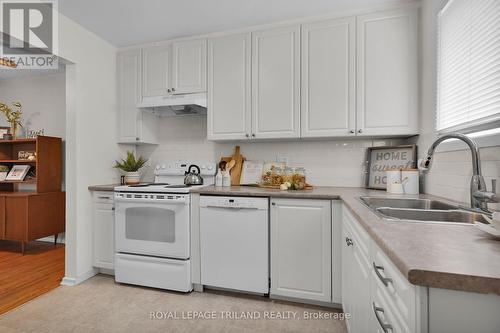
(451, 171)
(43, 99)
(91, 133)
(327, 162)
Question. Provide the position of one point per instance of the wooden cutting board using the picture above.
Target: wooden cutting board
(236, 170)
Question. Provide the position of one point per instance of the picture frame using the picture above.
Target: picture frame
(383, 158)
(18, 173)
(26, 155)
(4, 130)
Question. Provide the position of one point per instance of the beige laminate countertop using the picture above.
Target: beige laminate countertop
(459, 257)
(103, 188)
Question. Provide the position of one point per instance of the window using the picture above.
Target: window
(468, 66)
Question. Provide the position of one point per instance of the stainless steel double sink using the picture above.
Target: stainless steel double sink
(421, 210)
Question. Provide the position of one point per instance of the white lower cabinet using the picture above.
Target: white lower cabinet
(301, 249)
(375, 294)
(104, 235)
(355, 275)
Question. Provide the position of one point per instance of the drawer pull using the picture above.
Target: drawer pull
(384, 280)
(102, 197)
(349, 241)
(385, 327)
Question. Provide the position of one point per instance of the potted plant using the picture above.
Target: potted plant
(130, 165)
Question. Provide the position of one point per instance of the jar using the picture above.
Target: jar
(288, 176)
(277, 176)
(299, 178)
(273, 177)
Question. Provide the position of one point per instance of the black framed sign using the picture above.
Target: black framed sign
(381, 159)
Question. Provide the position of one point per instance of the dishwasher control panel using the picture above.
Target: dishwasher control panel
(234, 202)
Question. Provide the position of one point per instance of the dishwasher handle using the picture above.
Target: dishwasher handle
(231, 207)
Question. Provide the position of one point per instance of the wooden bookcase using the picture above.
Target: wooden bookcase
(27, 215)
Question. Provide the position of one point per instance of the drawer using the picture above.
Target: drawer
(400, 294)
(384, 316)
(103, 197)
(153, 272)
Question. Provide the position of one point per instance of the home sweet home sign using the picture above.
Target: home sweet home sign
(381, 159)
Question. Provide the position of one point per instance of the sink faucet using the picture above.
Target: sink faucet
(479, 196)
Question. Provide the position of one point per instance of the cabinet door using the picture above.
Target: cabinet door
(328, 66)
(301, 249)
(129, 94)
(356, 275)
(229, 87)
(387, 73)
(189, 66)
(156, 70)
(104, 235)
(276, 83)
(348, 286)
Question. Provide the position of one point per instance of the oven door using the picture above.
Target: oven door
(153, 227)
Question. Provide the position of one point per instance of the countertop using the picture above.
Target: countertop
(458, 257)
(103, 188)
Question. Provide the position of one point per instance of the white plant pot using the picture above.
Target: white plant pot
(132, 178)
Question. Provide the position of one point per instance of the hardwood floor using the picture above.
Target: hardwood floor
(23, 278)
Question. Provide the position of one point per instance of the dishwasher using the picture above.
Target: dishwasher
(234, 243)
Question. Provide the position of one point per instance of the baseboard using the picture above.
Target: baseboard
(71, 281)
(304, 301)
(107, 271)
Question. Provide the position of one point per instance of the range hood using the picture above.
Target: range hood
(176, 105)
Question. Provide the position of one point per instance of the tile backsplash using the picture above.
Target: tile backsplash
(451, 172)
(327, 162)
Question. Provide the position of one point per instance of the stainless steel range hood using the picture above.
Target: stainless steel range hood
(176, 105)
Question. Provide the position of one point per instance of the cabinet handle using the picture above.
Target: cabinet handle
(273, 203)
(137, 139)
(247, 135)
(173, 89)
(253, 135)
(349, 241)
(169, 91)
(351, 131)
(360, 131)
(385, 327)
(384, 280)
(103, 197)
(113, 208)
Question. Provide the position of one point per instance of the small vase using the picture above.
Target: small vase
(13, 129)
(132, 178)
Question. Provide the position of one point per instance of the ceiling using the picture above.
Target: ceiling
(129, 22)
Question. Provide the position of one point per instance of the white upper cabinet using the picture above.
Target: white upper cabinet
(328, 78)
(387, 73)
(189, 67)
(156, 70)
(229, 87)
(276, 83)
(134, 125)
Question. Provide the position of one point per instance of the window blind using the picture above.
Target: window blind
(468, 65)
